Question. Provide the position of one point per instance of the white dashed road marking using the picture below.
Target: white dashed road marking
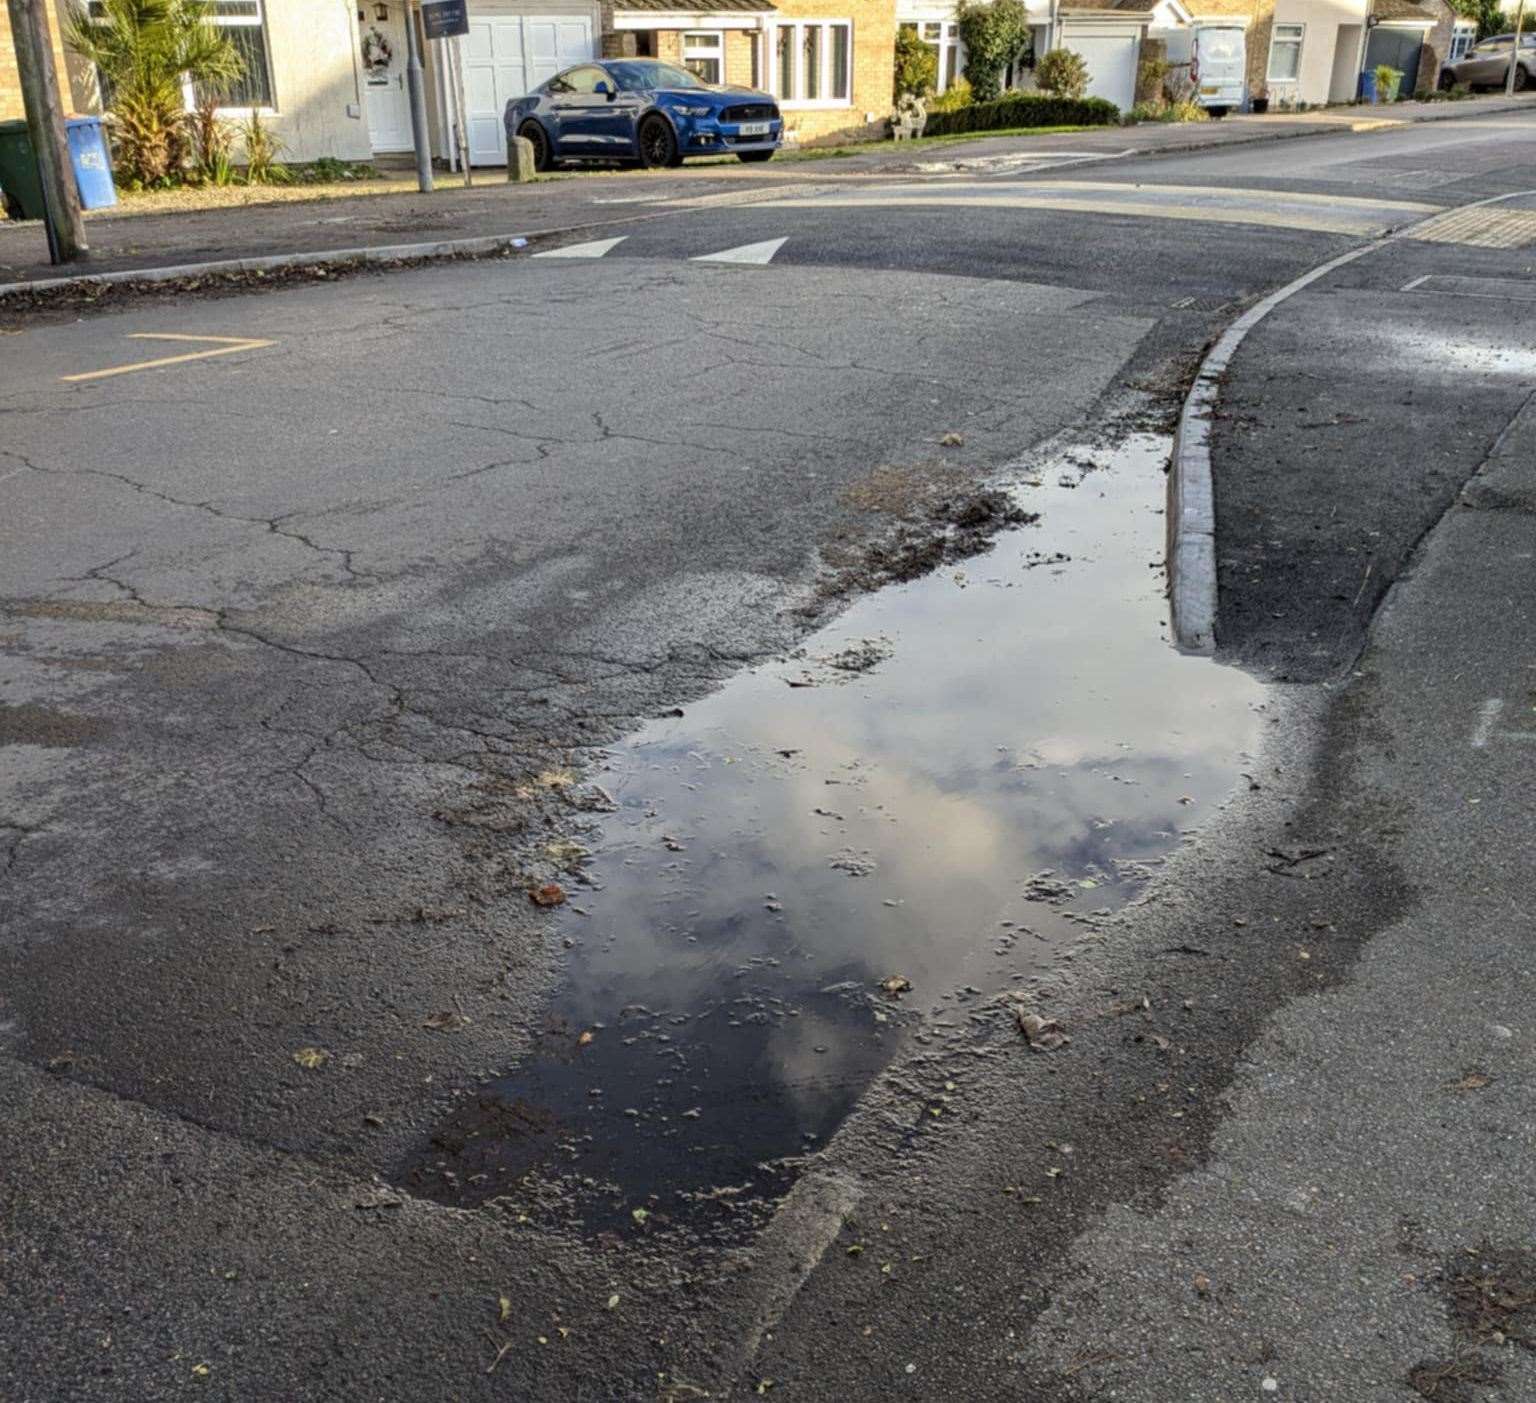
(745, 253)
(596, 249)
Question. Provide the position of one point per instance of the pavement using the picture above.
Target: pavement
(309, 646)
(579, 201)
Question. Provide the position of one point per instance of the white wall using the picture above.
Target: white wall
(1322, 19)
(313, 47)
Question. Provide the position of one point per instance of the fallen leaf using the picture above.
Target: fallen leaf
(952, 440)
(1472, 1081)
(550, 894)
(613, 1301)
(585, 1038)
(504, 1307)
(640, 1215)
(895, 985)
(1202, 1283)
(201, 1371)
(311, 1058)
(444, 1021)
(1042, 1034)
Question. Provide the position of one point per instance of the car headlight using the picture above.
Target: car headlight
(683, 110)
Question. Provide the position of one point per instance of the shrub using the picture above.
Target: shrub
(211, 142)
(957, 95)
(1151, 74)
(142, 50)
(262, 152)
(1062, 73)
(1024, 110)
(1387, 80)
(917, 66)
(994, 35)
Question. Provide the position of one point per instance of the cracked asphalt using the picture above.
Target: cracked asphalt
(304, 652)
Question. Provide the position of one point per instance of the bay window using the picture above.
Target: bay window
(813, 63)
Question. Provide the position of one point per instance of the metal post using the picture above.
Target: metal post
(418, 96)
(1514, 53)
(45, 123)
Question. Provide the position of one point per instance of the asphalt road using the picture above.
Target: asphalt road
(306, 644)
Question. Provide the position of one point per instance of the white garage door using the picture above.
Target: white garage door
(1111, 60)
(508, 56)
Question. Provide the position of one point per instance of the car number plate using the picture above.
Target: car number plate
(753, 129)
(1209, 92)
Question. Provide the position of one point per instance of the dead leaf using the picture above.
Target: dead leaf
(613, 1301)
(444, 1021)
(585, 1038)
(1202, 1283)
(952, 440)
(1472, 1081)
(503, 1307)
(1042, 1034)
(896, 985)
(550, 894)
(311, 1058)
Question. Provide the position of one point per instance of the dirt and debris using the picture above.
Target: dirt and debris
(548, 894)
(896, 985)
(29, 724)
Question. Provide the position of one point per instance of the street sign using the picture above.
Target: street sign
(443, 19)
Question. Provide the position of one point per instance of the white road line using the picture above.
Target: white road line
(596, 249)
(1409, 286)
(1517, 735)
(1487, 715)
(745, 253)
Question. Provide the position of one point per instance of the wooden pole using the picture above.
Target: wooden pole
(45, 122)
(1514, 53)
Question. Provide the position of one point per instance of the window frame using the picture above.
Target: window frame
(795, 99)
(715, 51)
(1276, 42)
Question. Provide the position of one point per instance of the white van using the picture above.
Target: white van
(1217, 59)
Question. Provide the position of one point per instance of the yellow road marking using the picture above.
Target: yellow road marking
(227, 345)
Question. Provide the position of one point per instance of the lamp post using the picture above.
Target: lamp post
(416, 89)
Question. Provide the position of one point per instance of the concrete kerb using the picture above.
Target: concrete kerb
(1191, 553)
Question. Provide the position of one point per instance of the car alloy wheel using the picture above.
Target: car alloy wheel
(658, 146)
(1522, 79)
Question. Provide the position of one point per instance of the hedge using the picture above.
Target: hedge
(1024, 110)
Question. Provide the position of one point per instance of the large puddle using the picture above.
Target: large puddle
(954, 778)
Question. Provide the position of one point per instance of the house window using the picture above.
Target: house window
(814, 63)
(704, 55)
(244, 25)
(1461, 41)
(943, 37)
(1285, 53)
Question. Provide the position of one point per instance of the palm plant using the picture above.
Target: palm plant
(144, 51)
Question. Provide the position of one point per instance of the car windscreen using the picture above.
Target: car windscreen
(1220, 45)
(635, 77)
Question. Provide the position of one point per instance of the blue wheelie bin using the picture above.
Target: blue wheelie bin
(92, 161)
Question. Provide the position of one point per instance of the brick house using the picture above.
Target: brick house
(830, 63)
(11, 106)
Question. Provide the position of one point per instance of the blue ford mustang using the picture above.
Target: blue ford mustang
(642, 110)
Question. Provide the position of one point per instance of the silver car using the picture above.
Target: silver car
(1486, 64)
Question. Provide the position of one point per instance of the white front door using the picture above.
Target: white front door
(508, 56)
(1111, 60)
(389, 104)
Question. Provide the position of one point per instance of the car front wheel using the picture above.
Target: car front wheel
(754, 155)
(534, 133)
(1447, 82)
(1522, 79)
(658, 143)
